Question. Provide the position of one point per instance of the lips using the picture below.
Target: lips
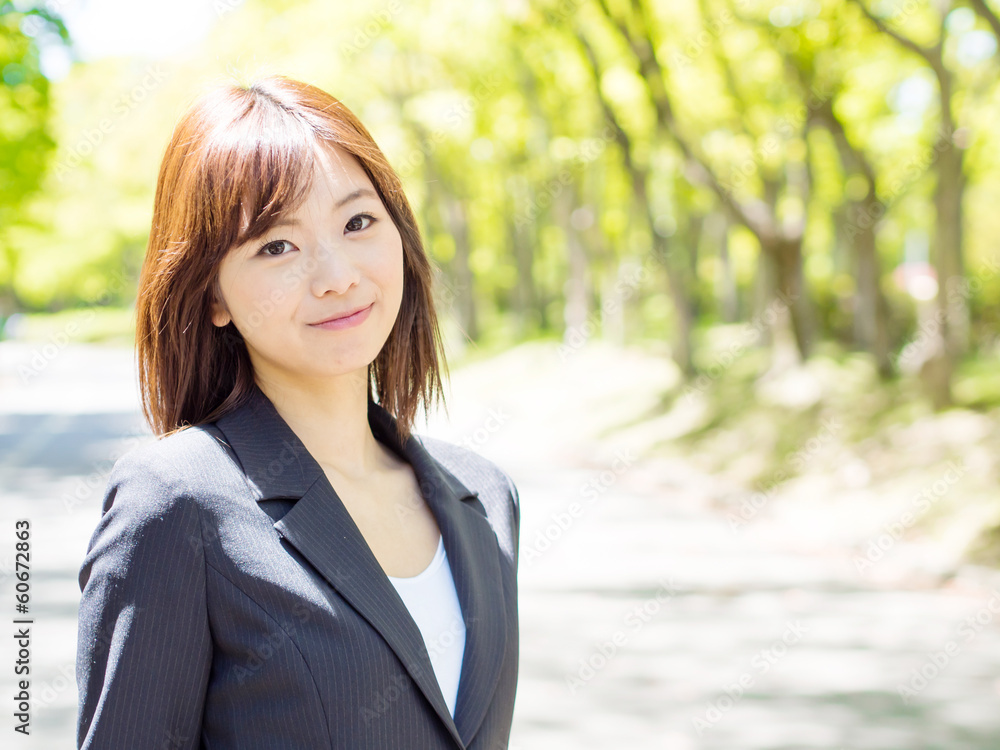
(340, 316)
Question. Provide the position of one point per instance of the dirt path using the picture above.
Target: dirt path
(650, 620)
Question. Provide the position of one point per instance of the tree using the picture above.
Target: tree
(949, 193)
(25, 142)
(756, 208)
(821, 68)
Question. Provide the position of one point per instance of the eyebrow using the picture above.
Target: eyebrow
(355, 195)
(352, 196)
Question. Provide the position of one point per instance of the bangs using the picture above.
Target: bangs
(257, 166)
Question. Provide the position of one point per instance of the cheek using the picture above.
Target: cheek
(256, 301)
(390, 270)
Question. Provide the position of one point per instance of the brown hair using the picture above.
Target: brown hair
(239, 157)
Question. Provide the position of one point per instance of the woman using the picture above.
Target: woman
(288, 566)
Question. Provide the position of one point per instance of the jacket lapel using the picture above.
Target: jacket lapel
(319, 526)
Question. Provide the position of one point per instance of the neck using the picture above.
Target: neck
(331, 420)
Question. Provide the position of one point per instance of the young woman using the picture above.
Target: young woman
(288, 566)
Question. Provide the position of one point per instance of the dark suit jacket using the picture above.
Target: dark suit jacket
(229, 600)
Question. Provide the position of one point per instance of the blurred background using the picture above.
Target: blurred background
(719, 281)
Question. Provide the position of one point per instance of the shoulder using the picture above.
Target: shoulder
(475, 471)
(159, 495)
(187, 465)
(493, 485)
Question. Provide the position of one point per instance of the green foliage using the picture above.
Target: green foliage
(26, 143)
(505, 135)
(24, 104)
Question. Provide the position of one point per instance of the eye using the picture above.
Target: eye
(358, 217)
(275, 248)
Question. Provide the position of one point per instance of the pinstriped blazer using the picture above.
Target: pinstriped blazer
(230, 601)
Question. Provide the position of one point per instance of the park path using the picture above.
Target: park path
(647, 620)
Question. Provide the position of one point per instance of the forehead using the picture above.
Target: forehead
(335, 173)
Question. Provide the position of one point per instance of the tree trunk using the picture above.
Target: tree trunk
(576, 291)
(465, 302)
(525, 300)
(948, 263)
(696, 228)
(787, 256)
(725, 289)
(521, 243)
(681, 348)
(871, 325)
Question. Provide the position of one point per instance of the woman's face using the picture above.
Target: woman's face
(338, 253)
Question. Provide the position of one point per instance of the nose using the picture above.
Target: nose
(332, 269)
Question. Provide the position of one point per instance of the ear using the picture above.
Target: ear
(220, 315)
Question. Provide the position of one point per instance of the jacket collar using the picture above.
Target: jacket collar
(277, 464)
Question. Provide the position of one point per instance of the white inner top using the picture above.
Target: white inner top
(433, 603)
